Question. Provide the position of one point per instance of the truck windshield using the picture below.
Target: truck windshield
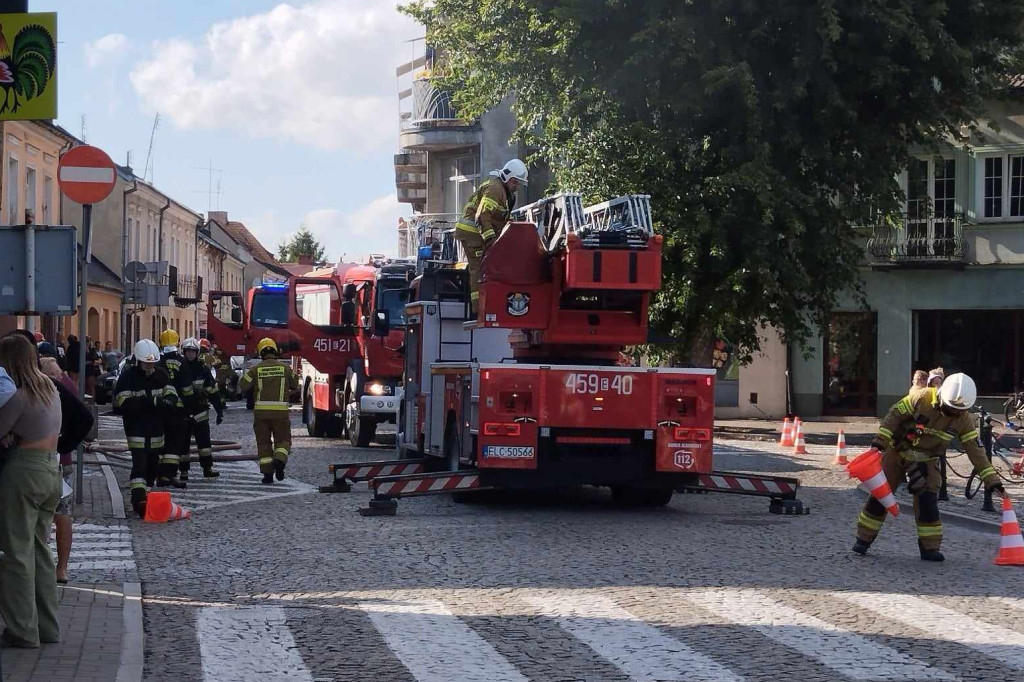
(394, 300)
(269, 309)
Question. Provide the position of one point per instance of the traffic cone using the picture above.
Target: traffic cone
(1011, 543)
(787, 434)
(867, 468)
(841, 458)
(1018, 466)
(799, 446)
(178, 512)
(160, 508)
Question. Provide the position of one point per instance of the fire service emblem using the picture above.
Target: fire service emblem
(518, 304)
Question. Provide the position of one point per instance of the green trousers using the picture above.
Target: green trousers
(30, 488)
(474, 245)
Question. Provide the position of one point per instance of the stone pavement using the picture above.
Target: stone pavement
(822, 431)
(98, 625)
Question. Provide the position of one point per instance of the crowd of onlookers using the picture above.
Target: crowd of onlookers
(42, 421)
(67, 353)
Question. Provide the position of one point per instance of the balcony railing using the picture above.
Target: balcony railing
(919, 241)
(185, 289)
(421, 103)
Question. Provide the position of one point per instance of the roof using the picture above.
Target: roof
(100, 275)
(241, 234)
(299, 269)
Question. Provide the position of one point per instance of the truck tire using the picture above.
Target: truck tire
(361, 431)
(314, 418)
(630, 496)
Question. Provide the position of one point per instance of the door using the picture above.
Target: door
(851, 364)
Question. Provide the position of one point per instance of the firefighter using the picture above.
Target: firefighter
(205, 393)
(176, 419)
(485, 216)
(272, 383)
(141, 395)
(913, 436)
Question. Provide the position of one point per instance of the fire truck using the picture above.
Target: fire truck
(529, 394)
(353, 403)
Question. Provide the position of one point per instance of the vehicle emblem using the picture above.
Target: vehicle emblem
(518, 304)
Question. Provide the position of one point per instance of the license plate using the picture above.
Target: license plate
(509, 451)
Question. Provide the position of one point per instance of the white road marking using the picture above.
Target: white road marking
(415, 631)
(640, 650)
(846, 652)
(248, 643)
(1002, 644)
(100, 564)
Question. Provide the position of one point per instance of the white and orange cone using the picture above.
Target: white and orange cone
(1011, 542)
(841, 458)
(787, 434)
(867, 468)
(799, 446)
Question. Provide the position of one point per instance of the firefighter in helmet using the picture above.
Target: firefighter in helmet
(205, 393)
(485, 216)
(272, 382)
(141, 396)
(176, 419)
(913, 436)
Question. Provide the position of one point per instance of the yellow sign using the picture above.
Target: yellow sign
(28, 66)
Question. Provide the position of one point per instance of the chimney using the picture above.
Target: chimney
(305, 259)
(219, 217)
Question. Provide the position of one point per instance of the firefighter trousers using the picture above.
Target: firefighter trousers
(177, 438)
(145, 465)
(926, 503)
(273, 439)
(474, 246)
(199, 427)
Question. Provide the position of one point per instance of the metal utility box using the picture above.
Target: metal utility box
(56, 270)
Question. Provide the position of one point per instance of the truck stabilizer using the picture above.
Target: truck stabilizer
(346, 474)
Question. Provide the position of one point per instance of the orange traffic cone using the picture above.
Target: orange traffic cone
(1011, 544)
(867, 468)
(787, 434)
(1018, 466)
(841, 458)
(799, 446)
(160, 508)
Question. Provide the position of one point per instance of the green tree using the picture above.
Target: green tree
(760, 129)
(302, 243)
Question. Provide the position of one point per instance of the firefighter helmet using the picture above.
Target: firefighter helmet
(191, 343)
(266, 346)
(958, 392)
(169, 337)
(204, 344)
(146, 351)
(513, 170)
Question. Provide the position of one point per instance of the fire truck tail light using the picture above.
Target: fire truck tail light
(502, 429)
(708, 381)
(683, 434)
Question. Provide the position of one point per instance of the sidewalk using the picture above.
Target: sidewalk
(101, 629)
(858, 430)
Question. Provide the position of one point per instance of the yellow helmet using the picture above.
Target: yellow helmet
(169, 337)
(266, 346)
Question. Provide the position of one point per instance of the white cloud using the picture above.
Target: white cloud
(321, 74)
(372, 228)
(102, 49)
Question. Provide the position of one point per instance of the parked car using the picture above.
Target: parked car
(106, 382)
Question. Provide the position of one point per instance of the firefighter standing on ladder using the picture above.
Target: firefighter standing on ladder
(912, 437)
(204, 392)
(484, 217)
(273, 382)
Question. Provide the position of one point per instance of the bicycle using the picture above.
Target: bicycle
(986, 434)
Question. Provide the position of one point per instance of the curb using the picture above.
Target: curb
(768, 436)
(132, 636)
(958, 519)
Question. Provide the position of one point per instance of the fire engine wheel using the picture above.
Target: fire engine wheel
(314, 418)
(628, 496)
(361, 430)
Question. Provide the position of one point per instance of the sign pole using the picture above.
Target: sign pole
(30, 277)
(83, 313)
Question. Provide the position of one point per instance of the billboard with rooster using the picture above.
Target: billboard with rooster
(28, 66)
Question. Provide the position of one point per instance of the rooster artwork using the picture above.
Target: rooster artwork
(27, 67)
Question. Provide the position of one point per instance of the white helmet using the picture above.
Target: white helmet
(513, 169)
(958, 392)
(191, 343)
(146, 351)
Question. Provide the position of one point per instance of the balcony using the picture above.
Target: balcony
(428, 120)
(185, 289)
(933, 242)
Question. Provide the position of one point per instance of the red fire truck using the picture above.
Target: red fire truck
(529, 394)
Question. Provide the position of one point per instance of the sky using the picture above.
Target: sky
(294, 104)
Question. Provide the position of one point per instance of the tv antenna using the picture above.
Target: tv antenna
(147, 173)
(212, 189)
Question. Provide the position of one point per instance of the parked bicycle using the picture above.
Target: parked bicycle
(986, 434)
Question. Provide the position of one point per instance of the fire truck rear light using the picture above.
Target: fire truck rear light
(591, 440)
(701, 434)
(502, 429)
(681, 434)
(708, 381)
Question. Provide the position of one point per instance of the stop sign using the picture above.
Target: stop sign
(86, 175)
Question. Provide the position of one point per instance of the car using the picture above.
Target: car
(106, 382)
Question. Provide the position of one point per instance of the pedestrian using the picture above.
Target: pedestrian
(30, 489)
(179, 380)
(71, 362)
(62, 349)
(204, 393)
(919, 380)
(912, 437)
(92, 366)
(936, 377)
(272, 382)
(63, 519)
(111, 357)
(142, 395)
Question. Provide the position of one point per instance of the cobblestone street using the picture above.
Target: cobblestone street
(291, 584)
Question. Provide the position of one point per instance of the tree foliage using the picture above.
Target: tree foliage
(302, 243)
(761, 129)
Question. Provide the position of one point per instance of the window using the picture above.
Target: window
(462, 173)
(269, 309)
(993, 196)
(30, 194)
(1017, 186)
(1001, 187)
(47, 199)
(12, 191)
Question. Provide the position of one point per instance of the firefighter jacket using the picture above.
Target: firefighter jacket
(919, 431)
(487, 210)
(142, 400)
(179, 376)
(204, 388)
(272, 381)
(209, 359)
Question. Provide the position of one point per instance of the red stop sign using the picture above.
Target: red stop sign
(86, 175)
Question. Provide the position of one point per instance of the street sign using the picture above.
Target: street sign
(86, 175)
(136, 271)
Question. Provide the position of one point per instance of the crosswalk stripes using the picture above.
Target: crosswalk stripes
(436, 642)
(99, 548)
(110, 422)
(239, 482)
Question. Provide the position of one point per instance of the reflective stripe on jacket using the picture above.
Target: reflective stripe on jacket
(487, 210)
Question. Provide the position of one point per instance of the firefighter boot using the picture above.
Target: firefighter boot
(183, 476)
(861, 547)
(165, 482)
(987, 505)
(279, 469)
(268, 479)
(209, 472)
(139, 501)
(930, 554)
